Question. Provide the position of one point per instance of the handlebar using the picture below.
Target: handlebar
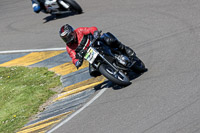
(94, 40)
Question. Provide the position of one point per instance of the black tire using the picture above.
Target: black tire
(106, 71)
(139, 66)
(74, 6)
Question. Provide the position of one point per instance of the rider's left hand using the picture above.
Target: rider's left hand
(97, 34)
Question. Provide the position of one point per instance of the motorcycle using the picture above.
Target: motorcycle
(57, 7)
(111, 63)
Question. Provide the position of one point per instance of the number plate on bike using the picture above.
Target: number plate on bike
(91, 55)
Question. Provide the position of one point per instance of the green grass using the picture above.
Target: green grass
(22, 91)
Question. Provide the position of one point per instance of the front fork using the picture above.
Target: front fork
(109, 63)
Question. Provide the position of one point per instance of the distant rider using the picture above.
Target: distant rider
(38, 5)
(79, 39)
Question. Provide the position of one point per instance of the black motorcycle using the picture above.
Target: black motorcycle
(111, 63)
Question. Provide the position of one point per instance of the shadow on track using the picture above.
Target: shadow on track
(109, 84)
(58, 16)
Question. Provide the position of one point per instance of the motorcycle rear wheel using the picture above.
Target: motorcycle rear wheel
(117, 78)
(139, 66)
(74, 6)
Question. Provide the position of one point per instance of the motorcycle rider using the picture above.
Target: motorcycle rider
(79, 39)
(38, 5)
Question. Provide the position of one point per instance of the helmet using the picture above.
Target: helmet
(67, 33)
(36, 7)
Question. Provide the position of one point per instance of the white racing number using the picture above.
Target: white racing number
(91, 55)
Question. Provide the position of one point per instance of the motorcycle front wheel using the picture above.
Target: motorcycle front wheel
(74, 6)
(116, 77)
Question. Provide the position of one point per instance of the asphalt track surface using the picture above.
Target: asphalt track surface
(165, 34)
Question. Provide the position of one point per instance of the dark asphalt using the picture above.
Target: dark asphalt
(165, 34)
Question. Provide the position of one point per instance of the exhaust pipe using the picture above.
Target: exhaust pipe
(65, 5)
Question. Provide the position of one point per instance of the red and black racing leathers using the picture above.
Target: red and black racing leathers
(83, 40)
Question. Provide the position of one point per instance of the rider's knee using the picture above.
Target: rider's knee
(93, 72)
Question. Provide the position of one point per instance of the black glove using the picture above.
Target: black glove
(81, 54)
(78, 63)
(96, 34)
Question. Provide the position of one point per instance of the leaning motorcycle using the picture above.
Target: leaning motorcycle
(111, 63)
(58, 7)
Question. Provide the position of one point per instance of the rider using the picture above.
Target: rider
(38, 5)
(79, 39)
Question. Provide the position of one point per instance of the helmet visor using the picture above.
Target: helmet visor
(69, 38)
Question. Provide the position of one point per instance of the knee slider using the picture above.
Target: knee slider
(93, 72)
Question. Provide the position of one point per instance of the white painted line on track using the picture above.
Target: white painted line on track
(75, 113)
(78, 111)
(31, 50)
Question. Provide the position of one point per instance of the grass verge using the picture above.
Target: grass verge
(22, 91)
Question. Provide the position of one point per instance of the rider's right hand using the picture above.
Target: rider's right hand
(80, 54)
